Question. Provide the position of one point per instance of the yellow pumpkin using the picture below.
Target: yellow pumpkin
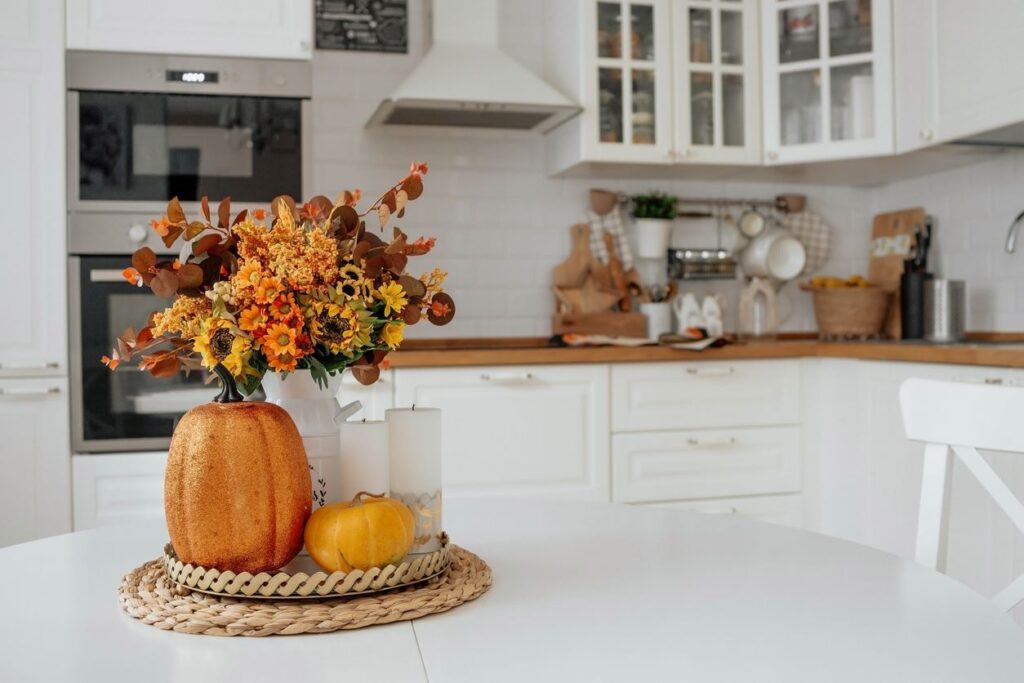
(368, 531)
(236, 488)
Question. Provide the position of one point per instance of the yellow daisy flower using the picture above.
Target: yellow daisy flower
(392, 334)
(393, 297)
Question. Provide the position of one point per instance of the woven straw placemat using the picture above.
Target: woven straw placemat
(148, 595)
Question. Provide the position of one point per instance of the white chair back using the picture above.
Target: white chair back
(962, 417)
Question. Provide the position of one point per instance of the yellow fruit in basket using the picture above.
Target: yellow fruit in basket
(856, 281)
(369, 531)
(818, 281)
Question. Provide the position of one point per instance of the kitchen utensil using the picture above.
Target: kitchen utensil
(594, 299)
(912, 306)
(659, 318)
(711, 311)
(891, 243)
(790, 203)
(619, 282)
(775, 253)
(602, 202)
(751, 223)
(572, 271)
(611, 323)
(945, 303)
(688, 312)
(758, 309)
(814, 233)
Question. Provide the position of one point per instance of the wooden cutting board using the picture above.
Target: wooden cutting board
(892, 241)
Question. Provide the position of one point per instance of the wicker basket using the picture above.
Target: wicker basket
(849, 312)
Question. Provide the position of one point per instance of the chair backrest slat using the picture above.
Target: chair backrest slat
(962, 417)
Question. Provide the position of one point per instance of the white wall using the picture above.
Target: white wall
(502, 224)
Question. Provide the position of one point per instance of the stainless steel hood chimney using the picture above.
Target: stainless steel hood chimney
(465, 80)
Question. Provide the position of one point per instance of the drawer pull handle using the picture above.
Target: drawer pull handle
(15, 366)
(509, 378)
(710, 372)
(723, 441)
(29, 392)
(981, 380)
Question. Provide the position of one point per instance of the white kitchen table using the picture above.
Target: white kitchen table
(582, 592)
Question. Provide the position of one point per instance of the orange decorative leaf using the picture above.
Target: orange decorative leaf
(204, 204)
(204, 244)
(174, 211)
(224, 212)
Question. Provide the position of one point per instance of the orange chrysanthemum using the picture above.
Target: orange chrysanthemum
(284, 308)
(280, 340)
(268, 290)
(253, 318)
(249, 275)
(285, 362)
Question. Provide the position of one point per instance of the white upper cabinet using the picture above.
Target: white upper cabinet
(226, 28)
(32, 264)
(957, 69)
(617, 64)
(716, 78)
(827, 79)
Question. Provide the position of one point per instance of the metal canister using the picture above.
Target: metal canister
(945, 310)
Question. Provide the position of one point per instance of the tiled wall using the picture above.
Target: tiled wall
(973, 207)
(502, 224)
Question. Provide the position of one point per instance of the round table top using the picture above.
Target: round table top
(581, 591)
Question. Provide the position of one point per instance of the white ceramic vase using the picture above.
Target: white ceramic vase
(318, 416)
(652, 237)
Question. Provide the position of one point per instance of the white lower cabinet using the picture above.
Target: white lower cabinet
(522, 431)
(660, 466)
(118, 488)
(784, 510)
(705, 394)
(35, 458)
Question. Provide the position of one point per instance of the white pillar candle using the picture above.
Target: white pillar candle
(364, 458)
(415, 447)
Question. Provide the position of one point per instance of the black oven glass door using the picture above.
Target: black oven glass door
(126, 403)
(151, 147)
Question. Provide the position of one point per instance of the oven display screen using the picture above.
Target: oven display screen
(192, 76)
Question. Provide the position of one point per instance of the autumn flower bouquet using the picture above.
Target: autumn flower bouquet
(309, 287)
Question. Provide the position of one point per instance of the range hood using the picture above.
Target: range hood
(466, 81)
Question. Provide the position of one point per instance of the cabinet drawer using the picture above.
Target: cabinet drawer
(784, 510)
(705, 394)
(118, 488)
(524, 431)
(667, 466)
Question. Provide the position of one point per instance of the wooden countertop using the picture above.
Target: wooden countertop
(1000, 351)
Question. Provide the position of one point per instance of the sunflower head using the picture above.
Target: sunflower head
(222, 342)
(332, 325)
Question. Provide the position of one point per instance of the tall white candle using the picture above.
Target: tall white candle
(415, 447)
(365, 459)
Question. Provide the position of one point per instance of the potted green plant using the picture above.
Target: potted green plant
(653, 214)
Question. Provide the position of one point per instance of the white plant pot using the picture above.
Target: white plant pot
(652, 237)
(315, 412)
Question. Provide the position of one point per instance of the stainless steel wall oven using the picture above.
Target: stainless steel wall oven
(141, 130)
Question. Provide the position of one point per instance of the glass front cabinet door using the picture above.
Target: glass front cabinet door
(627, 81)
(827, 79)
(716, 77)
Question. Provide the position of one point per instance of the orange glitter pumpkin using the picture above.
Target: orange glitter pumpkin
(236, 487)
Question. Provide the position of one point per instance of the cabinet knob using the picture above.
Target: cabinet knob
(927, 133)
(137, 234)
(773, 155)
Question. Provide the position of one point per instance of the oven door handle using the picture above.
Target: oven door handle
(107, 275)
